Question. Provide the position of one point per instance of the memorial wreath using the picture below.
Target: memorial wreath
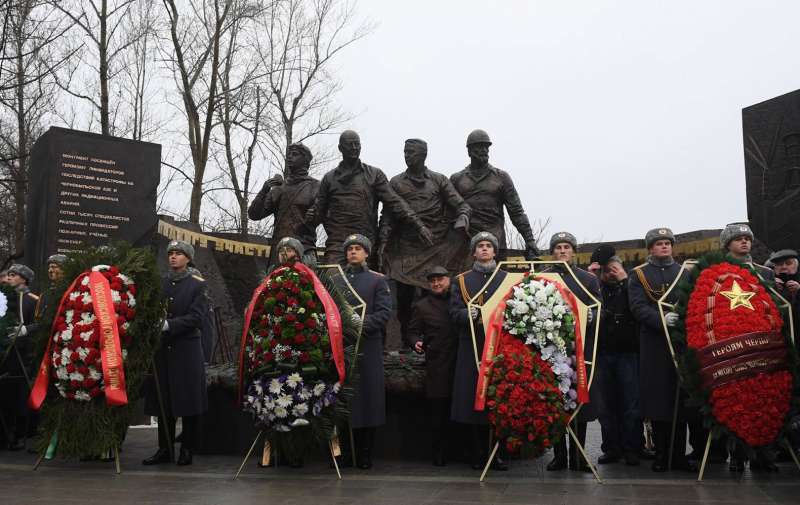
(732, 351)
(536, 377)
(293, 363)
(99, 342)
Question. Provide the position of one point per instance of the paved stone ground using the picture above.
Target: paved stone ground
(209, 481)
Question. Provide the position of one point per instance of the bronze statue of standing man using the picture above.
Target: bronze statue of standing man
(289, 200)
(401, 253)
(487, 189)
(347, 201)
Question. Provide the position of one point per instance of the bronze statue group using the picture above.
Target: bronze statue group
(438, 240)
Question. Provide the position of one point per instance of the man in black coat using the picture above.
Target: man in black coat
(288, 200)
(18, 365)
(617, 372)
(348, 197)
(179, 361)
(368, 406)
(433, 334)
(465, 287)
(564, 247)
(658, 380)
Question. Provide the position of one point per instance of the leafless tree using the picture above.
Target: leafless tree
(194, 58)
(107, 33)
(297, 41)
(539, 227)
(27, 94)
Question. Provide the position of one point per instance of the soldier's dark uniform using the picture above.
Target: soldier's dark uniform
(18, 367)
(658, 380)
(179, 360)
(464, 287)
(589, 411)
(368, 406)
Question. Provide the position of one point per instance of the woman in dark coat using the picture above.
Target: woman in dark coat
(179, 361)
(466, 286)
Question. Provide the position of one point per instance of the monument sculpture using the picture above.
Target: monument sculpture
(402, 253)
(347, 201)
(487, 190)
(288, 200)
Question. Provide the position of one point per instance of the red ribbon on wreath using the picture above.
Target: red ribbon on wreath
(332, 320)
(493, 337)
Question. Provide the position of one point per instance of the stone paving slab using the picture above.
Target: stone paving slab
(209, 481)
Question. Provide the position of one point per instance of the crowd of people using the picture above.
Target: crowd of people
(636, 394)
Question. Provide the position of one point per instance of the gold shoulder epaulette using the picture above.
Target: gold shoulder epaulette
(639, 266)
(197, 277)
(35, 297)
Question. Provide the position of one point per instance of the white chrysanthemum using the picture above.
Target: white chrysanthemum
(124, 354)
(3, 304)
(274, 386)
(319, 389)
(61, 373)
(280, 412)
(87, 318)
(293, 380)
(65, 354)
(86, 335)
(95, 374)
(305, 393)
(74, 295)
(284, 400)
(76, 376)
(131, 301)
(115, 296)
(300, 409)
(83, 352)
(82, 396)
(85, 280)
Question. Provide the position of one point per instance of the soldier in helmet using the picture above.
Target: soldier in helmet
(487, 190)
(737, 242)
(288, 200)
(348, 199)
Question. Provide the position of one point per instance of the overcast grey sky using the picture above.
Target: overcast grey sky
(612, 117)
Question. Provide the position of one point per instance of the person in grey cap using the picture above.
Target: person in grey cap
(179, 360)
(787, 281)
(402, 254)
(368, 406)
(564, 247)
(488, 190)
(658, 380)
(431, 332)
(291, 249)
(55, 267)
(466, 286)
(737, 242)
(19, 363)
(348, 198)
(288, 200)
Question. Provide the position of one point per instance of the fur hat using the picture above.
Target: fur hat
(657, 234)
(181, 247)
(359, 239)
(563, 236)
(734, 231)
(23, 271)
(481, 237)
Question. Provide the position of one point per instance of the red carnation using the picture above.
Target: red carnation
(291, 318)
(299, 339)
(311, 304)
(304, 357)
(299, 326)
(292, 302)
(71, 368)
(311, 323)
(280, 296)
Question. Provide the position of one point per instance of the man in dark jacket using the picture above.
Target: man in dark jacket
(787, 281)
(658, 380)
(564, 247)
(466, 286)
(348, 197)
(617, 372)
(179, 361)
(288, 200)
(433, 334)
(18, 365)
(368, 406)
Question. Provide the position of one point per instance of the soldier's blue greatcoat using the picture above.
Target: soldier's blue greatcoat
(658, 379)
(466, 372)
(368, 406)
(179, 360)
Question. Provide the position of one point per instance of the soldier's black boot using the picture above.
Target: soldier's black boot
(161, 456)
(185, 457)
(576, 459)
(364, 448)
(559, 461)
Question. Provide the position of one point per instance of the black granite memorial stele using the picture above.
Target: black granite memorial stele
(89, 189)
